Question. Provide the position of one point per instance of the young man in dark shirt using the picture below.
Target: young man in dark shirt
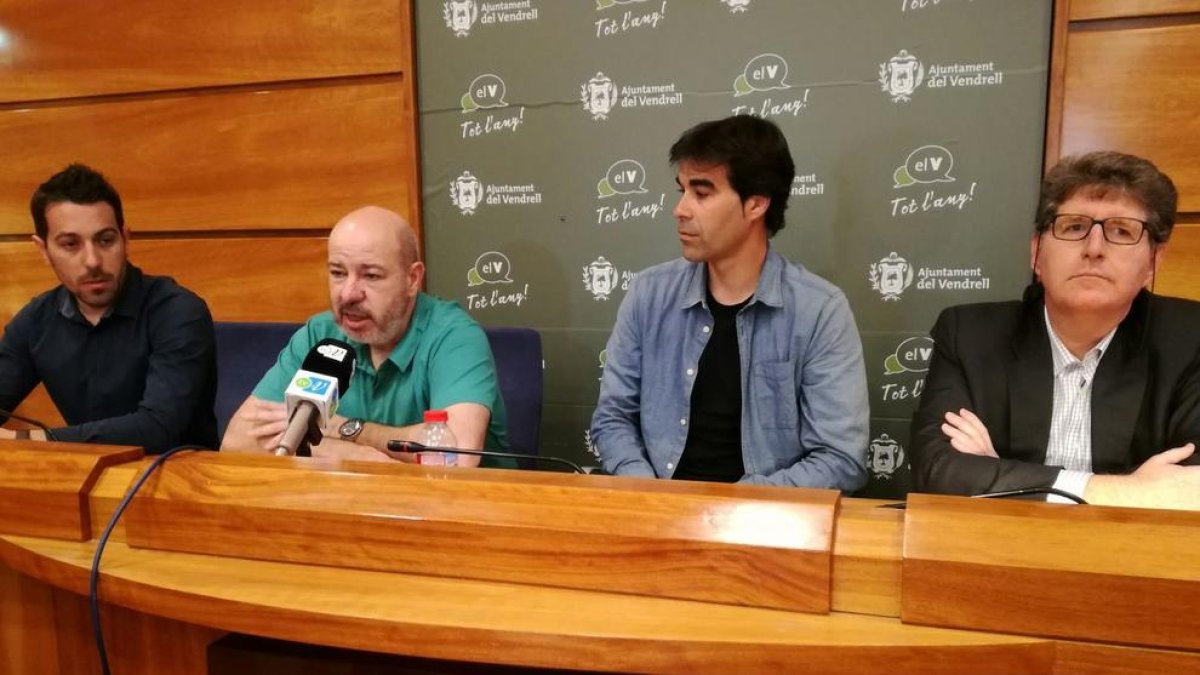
(128, 358)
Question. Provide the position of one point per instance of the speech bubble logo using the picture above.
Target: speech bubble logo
(486, 91)
(492, 267)
(763, 73)
(926, 164)
(911, 355)
(624, 177)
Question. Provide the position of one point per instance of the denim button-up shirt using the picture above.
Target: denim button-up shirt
(804, 387)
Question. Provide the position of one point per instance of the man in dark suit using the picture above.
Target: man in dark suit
(1090, 384)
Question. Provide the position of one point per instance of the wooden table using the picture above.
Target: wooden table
(883, 576)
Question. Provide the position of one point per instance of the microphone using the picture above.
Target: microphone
(413, 446)
(1027, 491)
(1009, 494)
(29, 420)
(312, 395)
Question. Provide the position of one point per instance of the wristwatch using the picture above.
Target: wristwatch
(350, 429)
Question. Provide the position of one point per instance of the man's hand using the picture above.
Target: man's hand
(1159, 483)
(257, 425)
(968, 434)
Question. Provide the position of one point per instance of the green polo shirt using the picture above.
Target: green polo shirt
(443, 359)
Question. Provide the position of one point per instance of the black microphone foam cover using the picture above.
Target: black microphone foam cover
(332, 358)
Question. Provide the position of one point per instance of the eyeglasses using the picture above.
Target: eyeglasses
(1117, 230)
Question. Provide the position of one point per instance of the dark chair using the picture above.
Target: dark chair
(245, 352)
(518, 355)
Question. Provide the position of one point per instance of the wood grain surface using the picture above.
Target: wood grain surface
(44, 491)
(1135, 89)
(1084, 10)
(1094, 573)
(284, 158)
(58, 49)
(474, 523)
(503, 623)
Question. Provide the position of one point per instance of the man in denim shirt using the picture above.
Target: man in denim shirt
(733, 364)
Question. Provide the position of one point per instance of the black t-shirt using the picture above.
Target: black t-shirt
(713, 451)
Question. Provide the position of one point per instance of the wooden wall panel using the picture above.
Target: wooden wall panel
(288, 158)
(1180, 271)
(1136, 90)
(1083, 10)
(66, 48)
(242, 279)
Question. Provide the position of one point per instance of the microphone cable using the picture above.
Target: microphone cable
(94, 576)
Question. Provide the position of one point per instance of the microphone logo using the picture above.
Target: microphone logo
(334, 352)
(312, 385)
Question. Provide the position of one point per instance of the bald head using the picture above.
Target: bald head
(376, 228)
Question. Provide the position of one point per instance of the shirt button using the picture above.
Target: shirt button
(706, 329)
(683, 421)
(691, 371)
(670, 466)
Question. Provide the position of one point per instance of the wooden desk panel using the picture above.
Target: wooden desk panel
(293, 158)
(866, 557)
(474, 523)
(196, 597)
(44, 489)
(502, 623)
(64, 49)
(28, 639)
(1094, 573)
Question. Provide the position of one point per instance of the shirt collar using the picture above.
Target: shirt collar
(1063, 356)
(769, 291)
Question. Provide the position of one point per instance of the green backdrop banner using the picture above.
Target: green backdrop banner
(916, 126)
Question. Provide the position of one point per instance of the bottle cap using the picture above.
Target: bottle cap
(436, 416)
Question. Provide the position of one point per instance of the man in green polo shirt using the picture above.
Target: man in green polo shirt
(415, 353)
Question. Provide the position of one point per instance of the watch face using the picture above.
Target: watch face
(350, 428)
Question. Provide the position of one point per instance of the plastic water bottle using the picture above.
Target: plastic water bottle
(435, 433)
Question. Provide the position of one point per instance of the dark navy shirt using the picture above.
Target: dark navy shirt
(145, 375)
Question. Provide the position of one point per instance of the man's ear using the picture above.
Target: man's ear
(41, 247)
(756, 206)
(1157, 253)
(1035, 247)
(416, 277)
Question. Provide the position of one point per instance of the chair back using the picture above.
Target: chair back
(245, 352)
(518, 356)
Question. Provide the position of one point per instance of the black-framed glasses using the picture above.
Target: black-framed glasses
(1118, 230)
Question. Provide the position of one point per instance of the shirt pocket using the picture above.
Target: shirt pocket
(773, 395)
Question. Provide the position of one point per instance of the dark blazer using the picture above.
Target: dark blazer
(994, 359)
